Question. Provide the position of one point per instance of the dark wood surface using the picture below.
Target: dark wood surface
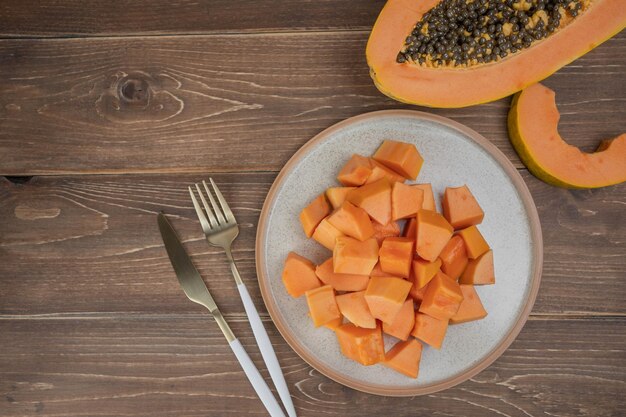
(115, 107)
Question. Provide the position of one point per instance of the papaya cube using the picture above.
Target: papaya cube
(442, 297)
(406, 201)
(402, 325)
(340, 282)
(352, 221)
(380, 171)
(429, 329)
(378, 272)
(299, 275)
(312, 215)
(423, 271)
(460, 207)
(405, 357)
(396, 254)
(428, 202)
(354, 307)
(381, 232)
(433, 233)
(454, 257)
(375, 199)
(362, 345)
(326, 234)
(333, 324)
(410, 228)
(416, 293)
(401, 157)
(352, 256)
(322, 305)
(385, 297)
(479, 271)
(337, 195)
(355, 172)
(471, 308)
(475, 243)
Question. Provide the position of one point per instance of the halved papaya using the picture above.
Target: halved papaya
(533, 124)
(464, 82)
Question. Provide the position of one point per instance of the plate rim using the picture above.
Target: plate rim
(535, 234)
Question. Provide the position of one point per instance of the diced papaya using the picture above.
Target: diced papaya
(299, 275)
(322, 305)
(405, 357)
(460, 207)
(355, 172)
(428, 202)
(378, 272)
(475, 243)
(340, 282)
(423, 271)
(471, 308)
(396, 254)
(401, 157)
(337, 195)
(406, 200)
(312, 215)
(433, 233)
(402, 325)
(381, 232)
(416, 293)
(385, 297)
(352, 256)
(352, 221)
(380, 171)
(429, 329)
(326, 234)
(479, 271)
(410, 228)
(353, 307)
(333, 324)
(454, 257)
(375, 199)
(442, 298)
(362, 345)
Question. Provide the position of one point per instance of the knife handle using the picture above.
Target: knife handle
(257, 381)
(267, 350)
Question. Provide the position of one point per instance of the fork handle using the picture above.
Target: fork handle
(257, 381)
(267, 351)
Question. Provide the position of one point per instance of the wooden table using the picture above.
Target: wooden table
(108, 110)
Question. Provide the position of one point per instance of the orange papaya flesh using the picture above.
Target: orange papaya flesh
(313, 214)
(406, 200)
(460, 207)
(479, 271)
(337, 195)
(375, 199)
(299, 275)
(423, 271)
(402, 324)
(354, 308)
(381, 232)
(322, 305)
(401, 157)
(471, 307)
(326, 234)
(433, 233)
(442, 297)
(362, 345)
(340, 282)
(355, 172)
(352, 256)
(396, 255)
(475, 243)
(405, 357)
(429, 329)
(454, 257)
(352, 221)
(385, 297)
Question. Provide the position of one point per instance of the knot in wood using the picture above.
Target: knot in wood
(135, 91)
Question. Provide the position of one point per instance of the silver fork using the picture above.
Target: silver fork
(221, 229)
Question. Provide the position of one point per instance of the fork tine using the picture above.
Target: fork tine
(217, 210)
(227, 211)
(209, 212)
(203, 220)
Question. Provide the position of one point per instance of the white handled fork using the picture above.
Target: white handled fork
(221, 229)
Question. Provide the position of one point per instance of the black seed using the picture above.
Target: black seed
(503, 54)
(430, 49)
(400, 58)
(496, 50)
(481, 41)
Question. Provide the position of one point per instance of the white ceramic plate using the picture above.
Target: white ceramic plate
(453, 155)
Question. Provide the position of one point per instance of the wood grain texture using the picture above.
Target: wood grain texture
(30, 18)
(181, 366)
(65, 237)
(232, 103)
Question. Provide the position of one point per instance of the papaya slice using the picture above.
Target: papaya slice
(423, 271)
(354, 307)
(405, 357)
(406, 200)
(442, 297)
(416, 292)
(401, 157)
(352, 221)
(402, 325)
(395, 256)
(337, 195)
(375, 199)
(428, 202)
(479, 271)
(378, 272)
(471, 307)
(381, 232)
(362, 345)
(326, 234)
(355, 172)
(299, 275)
(410, 228)
(312, 215)
(340, 282)
(352, 256)
(475, 82)
(433, 233)
(333, 324)
(322, 305)
(379, 171)
(385, 297)
(429, 329)
(454, 257)
(460, 207)
(533, 129)
(475, 243)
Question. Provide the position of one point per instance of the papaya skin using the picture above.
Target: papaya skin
(462, 87)
(529, 150)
